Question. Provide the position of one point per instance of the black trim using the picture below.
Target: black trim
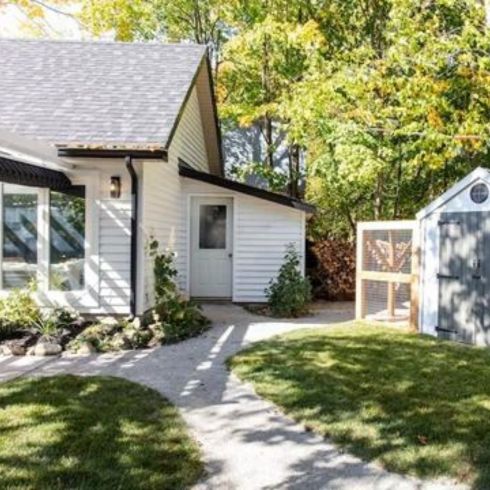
(134, 233)
(187, 171)
(112, 153)
(445, 330)
(15, 172)
(446, 276)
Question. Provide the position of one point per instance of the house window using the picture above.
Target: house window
(67, 240)
(42, 227)
(20, 237)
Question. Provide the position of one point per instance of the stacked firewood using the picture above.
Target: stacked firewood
(331, 266)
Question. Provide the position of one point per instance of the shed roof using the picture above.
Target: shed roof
(98, 93)
(478, 174)
(186, 170)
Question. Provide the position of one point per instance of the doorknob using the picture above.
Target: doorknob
(230, 255)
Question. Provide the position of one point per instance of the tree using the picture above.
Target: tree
(260, 65)
(199, 21)
(388, 129)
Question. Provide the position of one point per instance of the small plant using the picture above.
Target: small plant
(290, 293)
(174, 318)
(18, 311)
(51, 322)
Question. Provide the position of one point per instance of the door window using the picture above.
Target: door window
(212, 226)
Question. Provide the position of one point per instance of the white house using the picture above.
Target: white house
(455, 262)
(104, 145)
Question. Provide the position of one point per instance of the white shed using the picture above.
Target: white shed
(455, 262)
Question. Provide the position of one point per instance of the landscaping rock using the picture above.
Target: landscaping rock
(18, 347)
(31, 350)
(47, 349)
(5, 350)
(86, 348)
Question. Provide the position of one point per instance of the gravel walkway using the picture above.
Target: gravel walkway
(246, 442)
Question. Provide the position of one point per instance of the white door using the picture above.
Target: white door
(211, 247)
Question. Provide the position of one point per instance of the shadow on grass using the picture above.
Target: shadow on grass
(417, 405)
(92, 433)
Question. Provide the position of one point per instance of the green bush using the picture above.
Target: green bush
(290, 293)
(18, 311)
(173, 318)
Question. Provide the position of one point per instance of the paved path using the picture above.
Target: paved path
(246, 442)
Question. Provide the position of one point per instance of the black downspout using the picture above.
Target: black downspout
(134, 233)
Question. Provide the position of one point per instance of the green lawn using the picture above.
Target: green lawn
(410, 402)
(70, 432)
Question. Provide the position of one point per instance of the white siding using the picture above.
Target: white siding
(114, 243)
(162, 200)
(188, 143)
(162, 218)
(262, 230)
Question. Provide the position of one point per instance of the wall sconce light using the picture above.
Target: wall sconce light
(115, 187)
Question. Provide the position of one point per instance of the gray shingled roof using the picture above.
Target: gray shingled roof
(93, 93)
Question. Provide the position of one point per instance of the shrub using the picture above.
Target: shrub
(18, 311)
(290, 293)
(174, 318)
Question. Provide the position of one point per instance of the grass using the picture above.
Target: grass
(92, 433)
(412, 403)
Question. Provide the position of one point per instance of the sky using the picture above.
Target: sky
(13, 23)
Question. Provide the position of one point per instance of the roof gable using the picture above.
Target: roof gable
(479, 173)
(103, 94)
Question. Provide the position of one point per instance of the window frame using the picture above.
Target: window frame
(82, 299)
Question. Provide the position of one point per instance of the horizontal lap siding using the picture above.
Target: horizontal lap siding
(262, 232)
(189, 143)
(114, 246)
(164, 204)
(162, 218)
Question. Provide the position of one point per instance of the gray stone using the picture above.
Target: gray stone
(31, 350)
(5, 350)
(47, 349)
(86, 349)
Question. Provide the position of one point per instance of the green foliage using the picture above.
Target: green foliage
(52, 321)
(18, 310)
(174, 318)
(290, 293)
(276, 180)
(113, 335)
(391, 124)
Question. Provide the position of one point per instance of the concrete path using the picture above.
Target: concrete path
(246, 442)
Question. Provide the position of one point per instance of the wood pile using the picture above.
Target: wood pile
(331, 266)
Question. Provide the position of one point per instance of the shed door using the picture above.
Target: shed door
(461, 275)
(211, 247)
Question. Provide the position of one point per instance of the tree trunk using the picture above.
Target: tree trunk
(378, 201)
(294, 169)
(267, 122)
(268, 133)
